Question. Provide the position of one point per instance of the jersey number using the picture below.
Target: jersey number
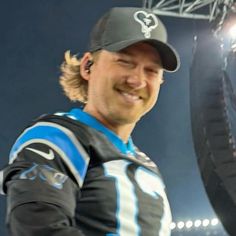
(127, 202)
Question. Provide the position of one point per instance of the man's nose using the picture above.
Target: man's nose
(136, 79)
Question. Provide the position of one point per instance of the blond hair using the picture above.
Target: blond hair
(73, 84)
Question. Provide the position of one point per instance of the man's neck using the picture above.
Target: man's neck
(121, 130)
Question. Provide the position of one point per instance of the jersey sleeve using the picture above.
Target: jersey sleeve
(46, 170)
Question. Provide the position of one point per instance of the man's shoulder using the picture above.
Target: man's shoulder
(60, 120)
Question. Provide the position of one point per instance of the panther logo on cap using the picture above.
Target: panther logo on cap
(148, 22)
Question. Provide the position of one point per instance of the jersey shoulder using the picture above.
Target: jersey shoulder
(52, 136)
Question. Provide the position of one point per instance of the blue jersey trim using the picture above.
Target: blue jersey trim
(59, 138)
(89, 120)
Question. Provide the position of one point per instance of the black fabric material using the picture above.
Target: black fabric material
(36, 207)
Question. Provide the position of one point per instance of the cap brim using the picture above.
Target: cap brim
(169, 57)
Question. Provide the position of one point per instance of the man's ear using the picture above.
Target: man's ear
(85, 64)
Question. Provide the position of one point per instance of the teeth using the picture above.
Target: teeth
(130, 96)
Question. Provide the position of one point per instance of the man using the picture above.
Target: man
(78, 173)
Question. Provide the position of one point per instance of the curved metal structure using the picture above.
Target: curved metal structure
(213, 112)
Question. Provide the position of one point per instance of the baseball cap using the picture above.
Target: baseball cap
(121, 27)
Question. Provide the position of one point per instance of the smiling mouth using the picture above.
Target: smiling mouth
(129, 96)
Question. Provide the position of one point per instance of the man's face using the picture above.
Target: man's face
(123, 86)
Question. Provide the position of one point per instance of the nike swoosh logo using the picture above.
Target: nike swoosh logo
(48, 156)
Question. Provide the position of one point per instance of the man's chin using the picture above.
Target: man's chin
(128, 119)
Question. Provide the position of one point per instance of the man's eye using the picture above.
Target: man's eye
(154, 71)
(124, 62)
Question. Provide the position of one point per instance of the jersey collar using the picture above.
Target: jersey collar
(125, 148)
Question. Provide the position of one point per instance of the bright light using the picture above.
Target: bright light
(205, 222)
(214, 221)
(232, 31)
(188, 224)
(180, 224)
(197, 223)
(172, 225)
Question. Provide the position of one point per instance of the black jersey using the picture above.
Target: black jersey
(69, 175)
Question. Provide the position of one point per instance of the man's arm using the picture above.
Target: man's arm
(43, 180)
(40, 218)
(41, 194)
